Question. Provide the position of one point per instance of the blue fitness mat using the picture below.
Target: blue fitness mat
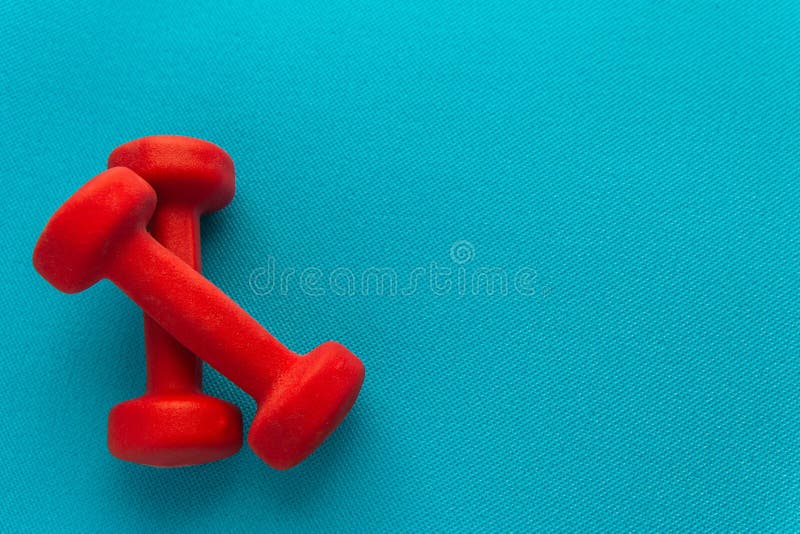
(561, 235)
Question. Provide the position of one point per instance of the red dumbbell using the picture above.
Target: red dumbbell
(100, 233)
(174, 423)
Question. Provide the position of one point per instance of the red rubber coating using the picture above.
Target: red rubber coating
(100, 233)
(174, 424)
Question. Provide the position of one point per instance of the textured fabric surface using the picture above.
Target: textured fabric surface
(630, 168)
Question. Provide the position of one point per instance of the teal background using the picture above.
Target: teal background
(641, 156)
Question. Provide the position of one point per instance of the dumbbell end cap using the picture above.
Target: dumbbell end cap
(174, 430)
(182, 169)
(84, 232)
(306, 406)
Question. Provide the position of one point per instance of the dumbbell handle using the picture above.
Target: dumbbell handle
(170, 366)
(199, 315)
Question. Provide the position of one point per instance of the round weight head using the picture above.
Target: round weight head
(180, 169)
(174, 430)
(309, 404)
(90, 227)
